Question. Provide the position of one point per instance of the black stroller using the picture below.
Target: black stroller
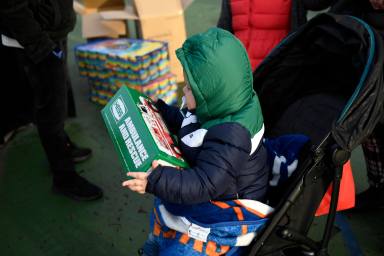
(324, 81)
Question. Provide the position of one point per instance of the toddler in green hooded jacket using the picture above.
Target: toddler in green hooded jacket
(220, 134)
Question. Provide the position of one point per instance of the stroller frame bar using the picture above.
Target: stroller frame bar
(327, 147)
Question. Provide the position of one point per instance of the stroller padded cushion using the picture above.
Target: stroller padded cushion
(311, 115)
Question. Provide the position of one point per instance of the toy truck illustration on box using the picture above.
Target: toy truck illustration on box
(139, 133)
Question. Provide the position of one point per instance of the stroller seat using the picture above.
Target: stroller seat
(312, 115)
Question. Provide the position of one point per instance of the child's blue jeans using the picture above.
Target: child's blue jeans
(155, 246)
(151, 246)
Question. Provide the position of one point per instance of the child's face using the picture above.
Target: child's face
(189, 98)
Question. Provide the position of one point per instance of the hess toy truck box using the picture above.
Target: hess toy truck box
(139, 133)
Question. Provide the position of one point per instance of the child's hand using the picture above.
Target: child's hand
(154, 164)
(140, 179)
(138, 183)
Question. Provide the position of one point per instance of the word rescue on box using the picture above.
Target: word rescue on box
(133, 142)
(129, 133)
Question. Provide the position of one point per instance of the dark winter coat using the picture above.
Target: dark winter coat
(223, 166)
(37, 24)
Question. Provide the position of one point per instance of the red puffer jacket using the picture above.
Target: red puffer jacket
(260, 25)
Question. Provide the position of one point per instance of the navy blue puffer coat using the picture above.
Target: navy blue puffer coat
(225, 164)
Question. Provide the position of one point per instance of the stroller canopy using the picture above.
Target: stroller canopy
(335, 55)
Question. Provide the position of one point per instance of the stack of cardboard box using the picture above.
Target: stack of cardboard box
(139, 64)
(154, 20)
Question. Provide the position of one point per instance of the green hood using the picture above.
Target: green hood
(220, 75)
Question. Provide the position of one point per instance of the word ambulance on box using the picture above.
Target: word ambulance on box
(139, 133)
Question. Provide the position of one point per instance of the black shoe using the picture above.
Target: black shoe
(10, 135)
(6, 138)
(79, 189)
(78, 154)
(372, 198)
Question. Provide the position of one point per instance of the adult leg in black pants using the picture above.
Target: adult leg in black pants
(71, 107)
(78, 154)
(48, 80)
